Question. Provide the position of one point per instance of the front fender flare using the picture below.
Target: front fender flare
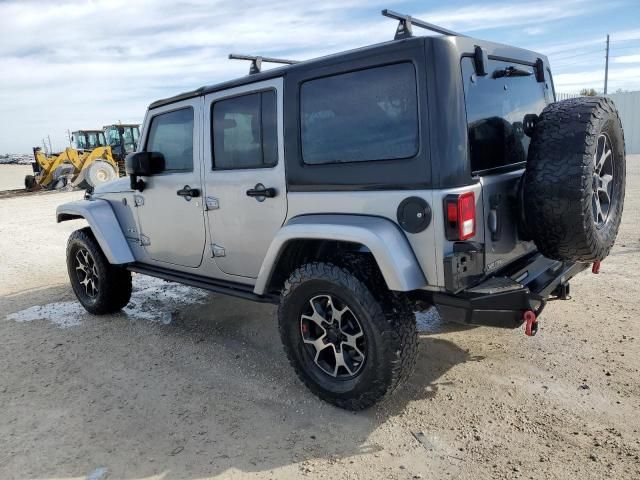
(104, 225)
(383, 238)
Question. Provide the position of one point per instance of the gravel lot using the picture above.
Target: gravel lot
(186, 384)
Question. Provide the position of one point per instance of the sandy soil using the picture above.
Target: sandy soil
(192, 385)
(12, 176)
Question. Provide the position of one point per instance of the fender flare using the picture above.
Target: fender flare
(383, 238)
(104, 225)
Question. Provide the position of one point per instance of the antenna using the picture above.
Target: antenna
(405, 29)
(256, 61)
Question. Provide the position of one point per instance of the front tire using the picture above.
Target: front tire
(100, 287)
(349, 342)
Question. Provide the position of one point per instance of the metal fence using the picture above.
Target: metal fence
(628, 104)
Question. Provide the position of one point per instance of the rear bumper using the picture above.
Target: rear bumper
(502, 299)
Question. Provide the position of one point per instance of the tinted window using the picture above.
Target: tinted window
(171, 134)
(245, 131)
(496, 106)
(366, 115)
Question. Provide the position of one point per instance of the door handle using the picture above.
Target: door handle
(261, 191)
(188, 192)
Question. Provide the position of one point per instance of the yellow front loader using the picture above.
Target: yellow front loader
(83, 167)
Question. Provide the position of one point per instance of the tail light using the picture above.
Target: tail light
(460, 223)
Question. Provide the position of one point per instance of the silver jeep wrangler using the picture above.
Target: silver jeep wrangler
(358, 188)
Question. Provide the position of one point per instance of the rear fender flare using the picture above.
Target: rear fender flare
(104, 225)
(383, 238)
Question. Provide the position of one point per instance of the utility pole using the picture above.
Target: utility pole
(606, 67)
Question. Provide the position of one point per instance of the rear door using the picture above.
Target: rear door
(245, 187)
(496, 105)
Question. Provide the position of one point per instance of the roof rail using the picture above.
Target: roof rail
(256, 61)
(405, 29)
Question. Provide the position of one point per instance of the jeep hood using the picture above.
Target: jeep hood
(114, 186)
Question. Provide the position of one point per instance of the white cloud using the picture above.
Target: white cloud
(534, 30)
(84, 64)
(627, 59)
(499, 15)
(81, 64)
(594, 78)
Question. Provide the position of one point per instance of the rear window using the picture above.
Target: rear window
(360, 116)
(496, 105)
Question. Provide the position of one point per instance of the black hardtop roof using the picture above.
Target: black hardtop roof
(462, 43)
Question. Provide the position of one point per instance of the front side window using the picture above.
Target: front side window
(171, 134)
(360, 116)
(244, 131)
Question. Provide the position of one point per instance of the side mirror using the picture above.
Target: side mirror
(143, 164)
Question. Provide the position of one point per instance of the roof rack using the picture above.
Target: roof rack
(256, 61)
(405, 29)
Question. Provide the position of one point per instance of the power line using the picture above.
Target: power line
(626, 48)
(627, 55)
(592, 52)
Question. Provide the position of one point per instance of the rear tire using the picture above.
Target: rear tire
(367, 338)
(575, 179)
(100, 287)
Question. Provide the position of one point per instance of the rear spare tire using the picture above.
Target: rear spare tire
(575, 179)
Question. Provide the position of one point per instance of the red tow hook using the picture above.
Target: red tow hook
(531, 323)
(596, 267)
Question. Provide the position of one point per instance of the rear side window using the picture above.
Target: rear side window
(245, 131)
(171, 134)
(360, 116)
(496, 105)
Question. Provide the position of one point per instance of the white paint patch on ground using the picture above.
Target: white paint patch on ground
(62, 314)
(153, 300)
(98, 474)
(430, 321)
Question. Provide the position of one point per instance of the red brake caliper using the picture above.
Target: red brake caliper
(531, 323)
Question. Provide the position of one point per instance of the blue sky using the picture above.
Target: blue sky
(84, 64)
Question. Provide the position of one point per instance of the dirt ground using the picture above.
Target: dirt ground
(12, 176)
(192, 385)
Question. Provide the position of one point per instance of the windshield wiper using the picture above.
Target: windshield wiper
(511, 72)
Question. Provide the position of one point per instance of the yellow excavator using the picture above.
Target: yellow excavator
(90, 163)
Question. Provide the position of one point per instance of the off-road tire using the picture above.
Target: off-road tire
(114, 282)
(29, 182)
(387, 321)
(559, 179)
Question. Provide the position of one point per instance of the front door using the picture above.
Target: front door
(245, 187)
(170, 208)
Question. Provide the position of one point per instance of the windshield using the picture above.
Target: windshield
(86, 140)
(95, 139)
